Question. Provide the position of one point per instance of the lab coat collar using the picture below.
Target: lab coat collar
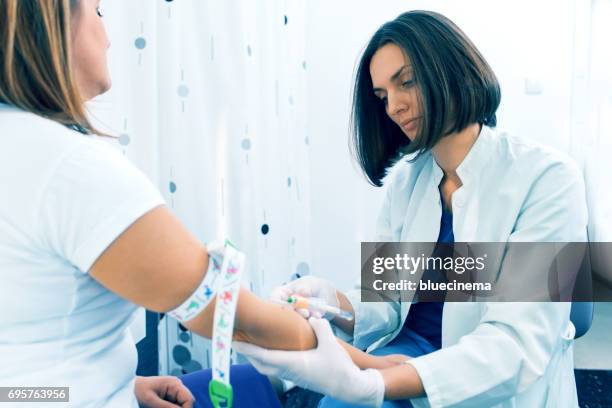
(473, 162)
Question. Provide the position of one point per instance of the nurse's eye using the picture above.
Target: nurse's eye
(99, 12)
(381, 96)
(407, 84)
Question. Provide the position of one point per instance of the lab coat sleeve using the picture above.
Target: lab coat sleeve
(374, 320)
(513, 343)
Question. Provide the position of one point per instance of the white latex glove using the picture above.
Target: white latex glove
(308, 286)
(328, 369)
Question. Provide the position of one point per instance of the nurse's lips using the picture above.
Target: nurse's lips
(409, 124)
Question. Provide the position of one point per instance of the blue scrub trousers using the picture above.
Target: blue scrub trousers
(251, 389)
(408, 343)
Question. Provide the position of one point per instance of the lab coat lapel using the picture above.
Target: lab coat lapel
(424, 227)
(422, 220)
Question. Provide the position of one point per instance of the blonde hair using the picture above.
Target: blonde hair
(36, 63)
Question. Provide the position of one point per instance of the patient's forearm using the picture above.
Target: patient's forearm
(262, 323)
(268, 325)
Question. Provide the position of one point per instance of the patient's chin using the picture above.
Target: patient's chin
(105, 85)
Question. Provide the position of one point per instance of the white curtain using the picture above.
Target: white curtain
(208, 99)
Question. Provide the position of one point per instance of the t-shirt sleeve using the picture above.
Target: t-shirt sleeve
(91, 198)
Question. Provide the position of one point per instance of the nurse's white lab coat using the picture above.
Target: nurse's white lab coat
(493, 354)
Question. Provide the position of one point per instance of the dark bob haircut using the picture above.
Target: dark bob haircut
(456, 87)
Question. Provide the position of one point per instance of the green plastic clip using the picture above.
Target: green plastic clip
(221, 395)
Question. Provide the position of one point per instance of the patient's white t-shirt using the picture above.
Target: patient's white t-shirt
(65, 197)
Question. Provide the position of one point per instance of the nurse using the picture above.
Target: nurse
(426, 100)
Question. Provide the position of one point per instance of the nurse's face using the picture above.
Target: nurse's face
(89, 46)
(394, 84)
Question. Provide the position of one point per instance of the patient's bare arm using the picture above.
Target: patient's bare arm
(157, 263)
(271, 326)
(262, 323)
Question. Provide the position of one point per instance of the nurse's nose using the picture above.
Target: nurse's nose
(394, 105)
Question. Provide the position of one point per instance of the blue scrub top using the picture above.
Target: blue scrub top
(425, 318)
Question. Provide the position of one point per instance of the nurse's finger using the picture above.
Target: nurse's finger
(307, 314)
(280, 293)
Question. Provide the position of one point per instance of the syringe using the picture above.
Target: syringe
(317, 305)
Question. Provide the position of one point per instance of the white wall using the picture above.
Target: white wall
(520, 39)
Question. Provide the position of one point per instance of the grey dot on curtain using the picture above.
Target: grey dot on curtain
(181, 354)
(140, 43)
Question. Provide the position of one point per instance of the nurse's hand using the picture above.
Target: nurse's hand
(308, 286)
(162, 392)
(328, 369)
